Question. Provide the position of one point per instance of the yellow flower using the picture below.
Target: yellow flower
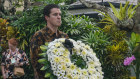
(57, 44)
(91, 63)
(91, 66)
(72, 67)
(76, 77)
(66, 51)
(62, 39)
(90, 71)
(65, 54)
(84, 72)
(69, 76)
(79, 71)
(83, 52)
(63, 67)
(67, 60)
(57, 59)
(87, 47)
(55, 50)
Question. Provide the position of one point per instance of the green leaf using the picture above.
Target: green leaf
(42, 60)
(42, 54)
(44, 68)
(47, 75)
(43, 47)
(46, 43)
(115, 11)
(124, 10)
(121, 8)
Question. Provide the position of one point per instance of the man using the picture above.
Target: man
(50, 32)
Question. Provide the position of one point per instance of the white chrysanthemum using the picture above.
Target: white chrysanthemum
(63, 68)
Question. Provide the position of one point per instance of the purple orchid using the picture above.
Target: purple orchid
(128, 60)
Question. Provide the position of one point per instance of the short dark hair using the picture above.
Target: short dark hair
(47, 9)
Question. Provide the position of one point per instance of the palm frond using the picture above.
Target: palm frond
(121, 9)
(124, 10)
(116, 13)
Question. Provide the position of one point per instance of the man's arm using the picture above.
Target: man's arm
(36, 41)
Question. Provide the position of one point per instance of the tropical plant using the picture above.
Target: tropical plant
(134, 51)
(52, 1)
(31, 21)
(75, 27)
(123, 16)
(111, 49)
(6, 33)
(97, 40)
(133, 41)
(117, 53)
(11, 32)
(3, 26)
(69, 1)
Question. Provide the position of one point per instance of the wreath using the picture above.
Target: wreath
(68, 59)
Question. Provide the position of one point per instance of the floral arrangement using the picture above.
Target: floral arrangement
(60, 54)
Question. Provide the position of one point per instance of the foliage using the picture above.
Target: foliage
(69, 1)
(6, 33)
(97, 40)
(111, 49)
(75, 27)
(78, 61)
(11, 32)
(123, 15)
(117, 51)
(134, 51)
(126, 12)
(3, 26)
(52, 1)
(31, 21)
(133, 41)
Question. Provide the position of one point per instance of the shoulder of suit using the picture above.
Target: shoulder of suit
(38, 32)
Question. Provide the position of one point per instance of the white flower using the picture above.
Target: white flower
(59, 67)
(62, 72)
(62, 40)
(63, 68)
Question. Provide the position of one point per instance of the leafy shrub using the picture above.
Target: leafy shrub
(76, 27)
(6, 33)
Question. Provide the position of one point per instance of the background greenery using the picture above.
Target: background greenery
(108, 42)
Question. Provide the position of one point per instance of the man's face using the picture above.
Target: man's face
(55, 17)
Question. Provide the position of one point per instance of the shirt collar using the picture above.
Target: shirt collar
(48, 30)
